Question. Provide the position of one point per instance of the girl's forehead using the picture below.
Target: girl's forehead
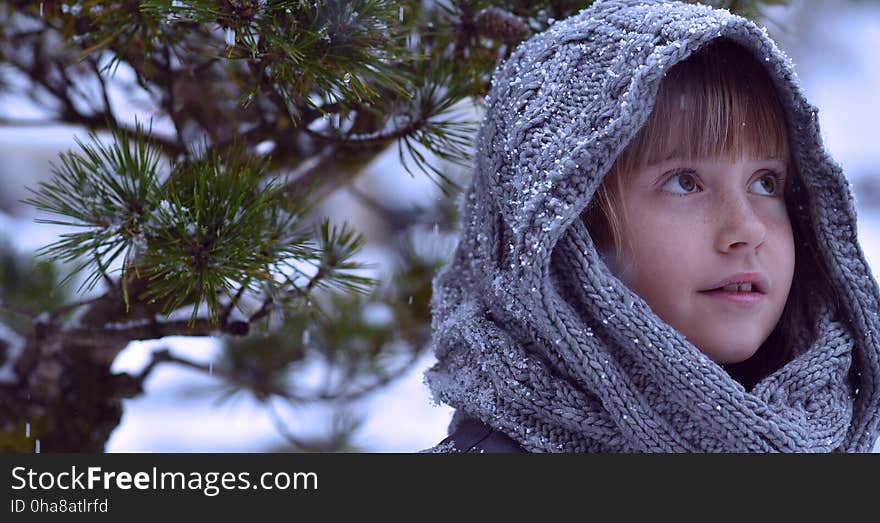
(746, 157)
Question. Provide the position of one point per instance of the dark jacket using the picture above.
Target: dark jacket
(471, 435)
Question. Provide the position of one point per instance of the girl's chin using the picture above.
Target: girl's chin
(725, 354)
(728, 357)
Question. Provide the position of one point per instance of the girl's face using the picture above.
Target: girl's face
(689, 225)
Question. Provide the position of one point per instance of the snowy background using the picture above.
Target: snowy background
(836, 48)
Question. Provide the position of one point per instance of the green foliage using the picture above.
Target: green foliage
(212, 227)
(338, 245)
(363, 340)
(26, 286)
(445, 134)
(215, 227)
(105, 189)
(341, 49)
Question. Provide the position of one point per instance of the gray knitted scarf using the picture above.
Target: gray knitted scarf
(536, 338)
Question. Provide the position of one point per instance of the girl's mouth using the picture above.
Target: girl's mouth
(747, 298)
(743, 281)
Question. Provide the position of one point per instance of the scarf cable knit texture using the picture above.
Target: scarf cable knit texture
(536, 338)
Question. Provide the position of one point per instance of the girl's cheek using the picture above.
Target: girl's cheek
(659, 216)
(670, 206)
(773, 212)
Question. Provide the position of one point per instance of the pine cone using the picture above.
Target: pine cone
(498, 24)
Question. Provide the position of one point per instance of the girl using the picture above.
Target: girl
(657, 253)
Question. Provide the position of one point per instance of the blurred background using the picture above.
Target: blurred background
(834, 45)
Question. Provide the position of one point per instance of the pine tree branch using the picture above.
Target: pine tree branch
(73, 305)
(21, 313)
(297, 442)
(227, 310)
(108, 108)
(170, 99)
(374, 138)
(396, 219)
(150, 329)
(69, 83)
(313, 175)
(38, 75)
(108, 281)
(263, 311)
(467, 29)
(165, 356)
(384, 379)
(71, 115)
(16, 122)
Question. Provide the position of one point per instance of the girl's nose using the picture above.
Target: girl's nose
(739, 225)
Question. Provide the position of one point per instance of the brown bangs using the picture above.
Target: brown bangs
(719, 102)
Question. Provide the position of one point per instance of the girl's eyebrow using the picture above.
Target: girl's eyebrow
(781, 163)
(677, 161)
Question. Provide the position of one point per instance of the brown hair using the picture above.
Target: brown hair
(718, 102)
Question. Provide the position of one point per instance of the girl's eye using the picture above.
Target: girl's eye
(770, 182)
(681, 180)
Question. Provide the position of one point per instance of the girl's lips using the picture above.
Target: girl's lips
(747, 298)
(759, 281)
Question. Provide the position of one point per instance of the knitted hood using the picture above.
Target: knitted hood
(561, 364)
